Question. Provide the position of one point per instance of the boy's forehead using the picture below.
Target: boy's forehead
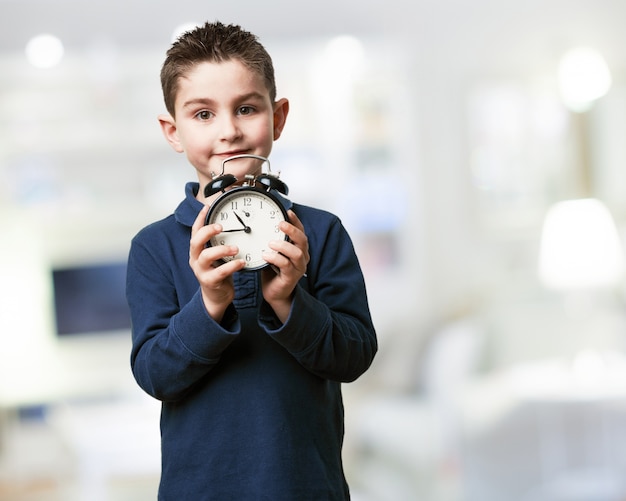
(222, 70)
(229, 76)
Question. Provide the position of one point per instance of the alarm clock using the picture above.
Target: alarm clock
(249, 214)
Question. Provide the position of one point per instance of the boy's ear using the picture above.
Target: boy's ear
(168, 126)
(281, 110)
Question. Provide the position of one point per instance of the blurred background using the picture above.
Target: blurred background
(476, 152)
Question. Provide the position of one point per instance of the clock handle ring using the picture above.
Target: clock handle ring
(269, 180)
(222, 181)
(246, 155)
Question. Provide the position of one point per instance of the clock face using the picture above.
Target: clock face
(249, 218)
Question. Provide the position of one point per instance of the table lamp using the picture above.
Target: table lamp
(580, 247)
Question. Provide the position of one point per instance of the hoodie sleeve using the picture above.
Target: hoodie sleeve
(174, 345)
(329, 330)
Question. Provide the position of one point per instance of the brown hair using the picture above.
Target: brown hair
(214, 42)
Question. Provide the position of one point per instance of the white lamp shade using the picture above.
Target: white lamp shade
(584, 77)
(580, 246)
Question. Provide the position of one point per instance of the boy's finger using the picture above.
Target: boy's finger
(293, 219)
(199, 222)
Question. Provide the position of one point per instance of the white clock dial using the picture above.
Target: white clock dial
(249, 218)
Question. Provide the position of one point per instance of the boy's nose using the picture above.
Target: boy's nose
(229, 128)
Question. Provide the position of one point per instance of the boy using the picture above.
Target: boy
(248, 365)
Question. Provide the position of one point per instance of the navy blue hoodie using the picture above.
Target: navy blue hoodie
(251, 407)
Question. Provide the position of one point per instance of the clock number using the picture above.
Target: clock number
(233, 205)
(248, 257)
(276, 230)
(247, 201)
(223, 216)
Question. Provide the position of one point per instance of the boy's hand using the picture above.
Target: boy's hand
(289, 263)
(216, 279)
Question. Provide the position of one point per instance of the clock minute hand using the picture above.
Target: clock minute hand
(246, 228)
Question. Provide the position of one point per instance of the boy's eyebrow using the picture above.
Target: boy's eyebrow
(200, 101)
(209, 101)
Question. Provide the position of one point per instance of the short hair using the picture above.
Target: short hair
(214, 42)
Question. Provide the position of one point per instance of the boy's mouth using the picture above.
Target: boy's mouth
(233, 153)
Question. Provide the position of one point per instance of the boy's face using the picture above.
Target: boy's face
(223, 109)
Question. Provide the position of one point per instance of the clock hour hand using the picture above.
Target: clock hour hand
(246, 228)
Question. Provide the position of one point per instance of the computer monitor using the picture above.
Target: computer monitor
(89, 299)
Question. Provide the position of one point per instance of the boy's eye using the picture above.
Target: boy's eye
(204, 115)
(246, 110)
